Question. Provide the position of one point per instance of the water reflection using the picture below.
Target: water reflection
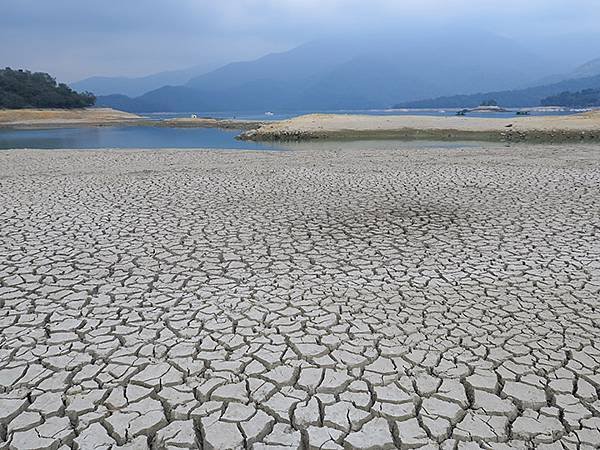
(127, 137)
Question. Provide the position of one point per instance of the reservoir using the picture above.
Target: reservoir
(127, 137)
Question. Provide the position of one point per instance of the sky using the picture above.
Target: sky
(74, 39)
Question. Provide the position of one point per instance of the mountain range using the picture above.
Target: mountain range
(518, 98)
(353, 72)
(588, 69)
(135, 86)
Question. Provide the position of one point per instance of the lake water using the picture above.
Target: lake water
(162, 137)
(165, 137)
(283, 115)
(127, 137)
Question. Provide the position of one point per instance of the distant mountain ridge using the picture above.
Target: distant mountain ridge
(532, 96)
(136, 86)
(352, 72)
(589, 69)
(586, 70)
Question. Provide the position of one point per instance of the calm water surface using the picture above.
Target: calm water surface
(127, 137)
(283, 115)
(159, 137)
(145, 137)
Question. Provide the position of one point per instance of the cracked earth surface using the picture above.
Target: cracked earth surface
(359, 299)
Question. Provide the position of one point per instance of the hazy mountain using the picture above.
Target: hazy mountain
(570, 49)
(134, 87)
(356, 72)
(124, 103)
(294, 66)
(516, 98)
(589, 69)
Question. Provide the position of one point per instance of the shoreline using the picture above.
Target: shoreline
(542, 129)
(206, 122)
(40, 119)
(61, 118)
(415, 134)
(583, 127)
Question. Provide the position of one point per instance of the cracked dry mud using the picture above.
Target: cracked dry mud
(359, 299)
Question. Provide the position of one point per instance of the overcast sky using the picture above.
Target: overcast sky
(73, 39)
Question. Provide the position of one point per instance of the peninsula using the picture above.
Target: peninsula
(58, 118)
(577, 127)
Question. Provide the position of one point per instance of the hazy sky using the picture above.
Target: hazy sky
(73, 39)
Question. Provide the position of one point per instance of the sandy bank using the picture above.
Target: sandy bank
(33, 118)
(58, 118)
(329, 126)
(207, 122)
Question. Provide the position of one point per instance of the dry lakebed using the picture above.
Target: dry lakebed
(354, 298)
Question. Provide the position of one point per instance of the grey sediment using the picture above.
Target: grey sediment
(350, 297)
(415, 134)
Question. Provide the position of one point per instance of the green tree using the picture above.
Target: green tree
(581, 99)
(23, 89)
(490, 102)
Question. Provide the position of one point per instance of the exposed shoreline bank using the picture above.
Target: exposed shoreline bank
(58, 118)
(207, 122)
(413, 134)
(336, 127)
(575, 128)
(32, 119)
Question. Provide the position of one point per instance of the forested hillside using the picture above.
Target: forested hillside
(581, 99)
(533, 96)
(23, 89)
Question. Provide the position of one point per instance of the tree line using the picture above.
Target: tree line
(580, 99)
(21, 89)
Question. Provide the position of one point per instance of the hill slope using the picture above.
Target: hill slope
(23, 89)
(589, 69)
(355, 72)
(135, 86)
(587, 98)
(516, 98)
